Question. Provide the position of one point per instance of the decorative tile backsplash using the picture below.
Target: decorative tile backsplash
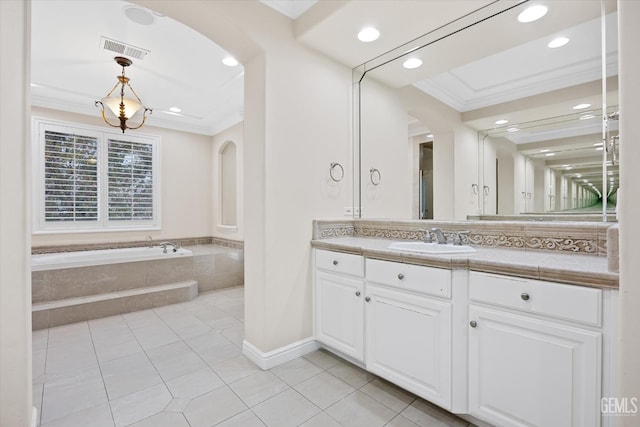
(567, 237)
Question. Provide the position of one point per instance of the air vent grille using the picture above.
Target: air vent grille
(123, 48)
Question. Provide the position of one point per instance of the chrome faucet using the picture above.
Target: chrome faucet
(164, 245)
(150, 240)
(439, 236)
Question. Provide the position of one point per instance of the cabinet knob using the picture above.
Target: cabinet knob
(335, 262)
(525, 296)
(357, 293)
(367, 299)
(400, 276)
(473, 323)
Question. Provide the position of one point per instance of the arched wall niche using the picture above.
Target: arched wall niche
(228, 190)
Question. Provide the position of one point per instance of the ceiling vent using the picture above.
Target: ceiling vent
(123, 48)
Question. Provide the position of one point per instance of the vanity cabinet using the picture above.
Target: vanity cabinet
(535, 352)
(338, 302)
(408, 327)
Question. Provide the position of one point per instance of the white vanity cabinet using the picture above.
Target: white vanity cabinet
(535, 352)
(338, 302)
(408, 327)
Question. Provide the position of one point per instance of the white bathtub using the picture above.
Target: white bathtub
(59, 260)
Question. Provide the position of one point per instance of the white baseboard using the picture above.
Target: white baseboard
(34, 417)
(279, 355)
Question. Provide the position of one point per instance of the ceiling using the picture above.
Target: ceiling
(70, 69)
(467, 71)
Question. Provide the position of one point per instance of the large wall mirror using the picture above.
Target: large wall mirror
(489, 117)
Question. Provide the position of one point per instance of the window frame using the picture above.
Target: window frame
(103, 223)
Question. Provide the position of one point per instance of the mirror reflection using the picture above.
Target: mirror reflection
(490, 117)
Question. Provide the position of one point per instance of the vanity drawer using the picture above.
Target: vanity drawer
(338, 262)
(417, 278)
(575, 303)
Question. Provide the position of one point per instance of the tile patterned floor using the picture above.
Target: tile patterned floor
(182, 366)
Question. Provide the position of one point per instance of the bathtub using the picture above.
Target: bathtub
(58, 260)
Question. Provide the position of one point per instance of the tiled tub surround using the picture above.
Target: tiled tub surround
(68, 295)
(516, 249)
(571, 237)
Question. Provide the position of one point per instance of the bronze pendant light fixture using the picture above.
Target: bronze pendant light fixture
(123, 108)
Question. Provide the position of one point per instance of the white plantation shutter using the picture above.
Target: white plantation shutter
(90, 179)
(130, 180)
(71, 177)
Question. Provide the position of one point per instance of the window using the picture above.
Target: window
(90, 179)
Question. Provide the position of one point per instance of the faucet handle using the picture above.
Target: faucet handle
(428, 237)
(460, 237)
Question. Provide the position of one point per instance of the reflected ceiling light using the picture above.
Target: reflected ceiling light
(429, 135)
(545, 150)
(610, 173)
(568, 168)
(585, 180)
(502, 121)
(175, 110)
(558, 42)
(599, 148)
(581, 106)
(597, 144)
(368, 34)
(578, 175)
(123, 108)
(514, 129)
(412, 63)
(550, 154)
(230, 61)
(532, 13)
(587, 117)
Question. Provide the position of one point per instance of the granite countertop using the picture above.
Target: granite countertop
(586, 270)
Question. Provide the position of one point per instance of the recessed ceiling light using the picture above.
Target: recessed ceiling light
(412, 63)
(578, 175)
(230, 61)
(175, 110)
(550, 154)
(532, 13)
(598, 144)
(368, 34)
(581, 106)
(545, 150)
(568, 168)
(585, 180)
(429, 135)
(599, 148)
(558, 42)
(139, 15)
(587, 117)
(512, 129)
(502, 121)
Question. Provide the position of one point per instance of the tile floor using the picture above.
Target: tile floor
(182, 366)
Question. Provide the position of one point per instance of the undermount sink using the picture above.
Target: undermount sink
(431, 248)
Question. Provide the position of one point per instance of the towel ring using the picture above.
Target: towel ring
(374, 176)
(332, 168)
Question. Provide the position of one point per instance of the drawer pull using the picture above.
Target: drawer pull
(473, 323)
(358, 293)
(400, 276)
(335, 262)
(525, 296)
(367, 299)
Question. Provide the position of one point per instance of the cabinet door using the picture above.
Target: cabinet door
(529, 372)
(408, 341)
(339, 313)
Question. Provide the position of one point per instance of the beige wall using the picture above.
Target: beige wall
(386, 147)
(186, 183)
(629, 204)
(15, 245)
(233, 134)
